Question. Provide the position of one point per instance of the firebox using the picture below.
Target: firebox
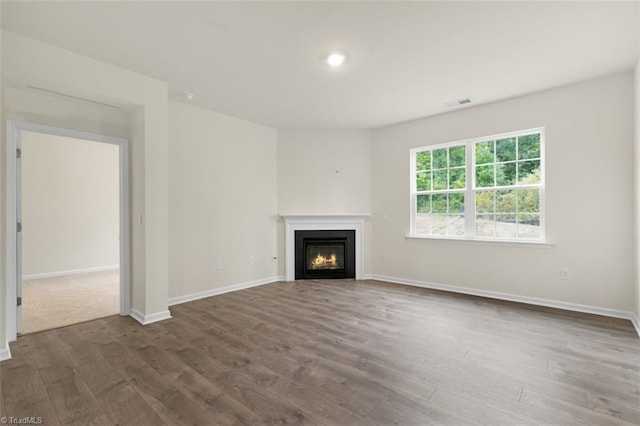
(325, 254)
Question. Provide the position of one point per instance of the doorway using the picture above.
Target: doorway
(69, 201)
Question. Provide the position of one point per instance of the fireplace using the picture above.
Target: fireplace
(318, 222)
(325, 254)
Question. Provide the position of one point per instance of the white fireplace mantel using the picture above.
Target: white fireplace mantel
(311, 222)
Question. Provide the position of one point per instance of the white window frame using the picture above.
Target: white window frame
(471, 189)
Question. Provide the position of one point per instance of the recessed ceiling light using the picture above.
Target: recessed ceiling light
(188, 95)
(336, 59)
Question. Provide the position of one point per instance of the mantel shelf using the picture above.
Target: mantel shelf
(322, 217)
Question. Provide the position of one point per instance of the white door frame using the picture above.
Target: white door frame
(14, 129)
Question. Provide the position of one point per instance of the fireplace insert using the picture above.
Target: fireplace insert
(325, 254)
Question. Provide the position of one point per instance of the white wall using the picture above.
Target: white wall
(70, 204)
(33, 106)
(307, 179)
(307, 161)
(4, 347)
(28, 62)
(637, 179)
(222, 200)
(589, 194)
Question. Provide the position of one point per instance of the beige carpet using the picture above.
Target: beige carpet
(55, 302)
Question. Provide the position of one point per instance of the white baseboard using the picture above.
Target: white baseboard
(71, 272)
(226, 289)
(5, 354)
(607, 312)
(636, 323)
(151, 318)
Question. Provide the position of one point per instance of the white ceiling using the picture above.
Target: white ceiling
(263, 61)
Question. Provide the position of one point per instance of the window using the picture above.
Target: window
(488, 188)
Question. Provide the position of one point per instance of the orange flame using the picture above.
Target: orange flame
(321, 260)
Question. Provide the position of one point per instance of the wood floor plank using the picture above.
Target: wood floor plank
(267, 405)
(541, 381)
(614, 407)
(579, 415)
(331, 352)
(474, 411)
(406, 411)
(317, 404)
(171, 404)
(118, 399)
(23, 392)
(223, 409)
(69, 395)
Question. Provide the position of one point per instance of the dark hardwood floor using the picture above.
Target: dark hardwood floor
(340, 352)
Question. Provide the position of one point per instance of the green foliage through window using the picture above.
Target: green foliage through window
(441, 179)
(507, 162)
(504, 190)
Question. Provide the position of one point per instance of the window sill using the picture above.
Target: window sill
(487, 242)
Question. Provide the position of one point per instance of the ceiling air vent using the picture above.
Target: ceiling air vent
(458, 102)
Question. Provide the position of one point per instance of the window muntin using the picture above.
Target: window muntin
(508, 214)
(488, 188)
(441, 180)
(512, 161)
